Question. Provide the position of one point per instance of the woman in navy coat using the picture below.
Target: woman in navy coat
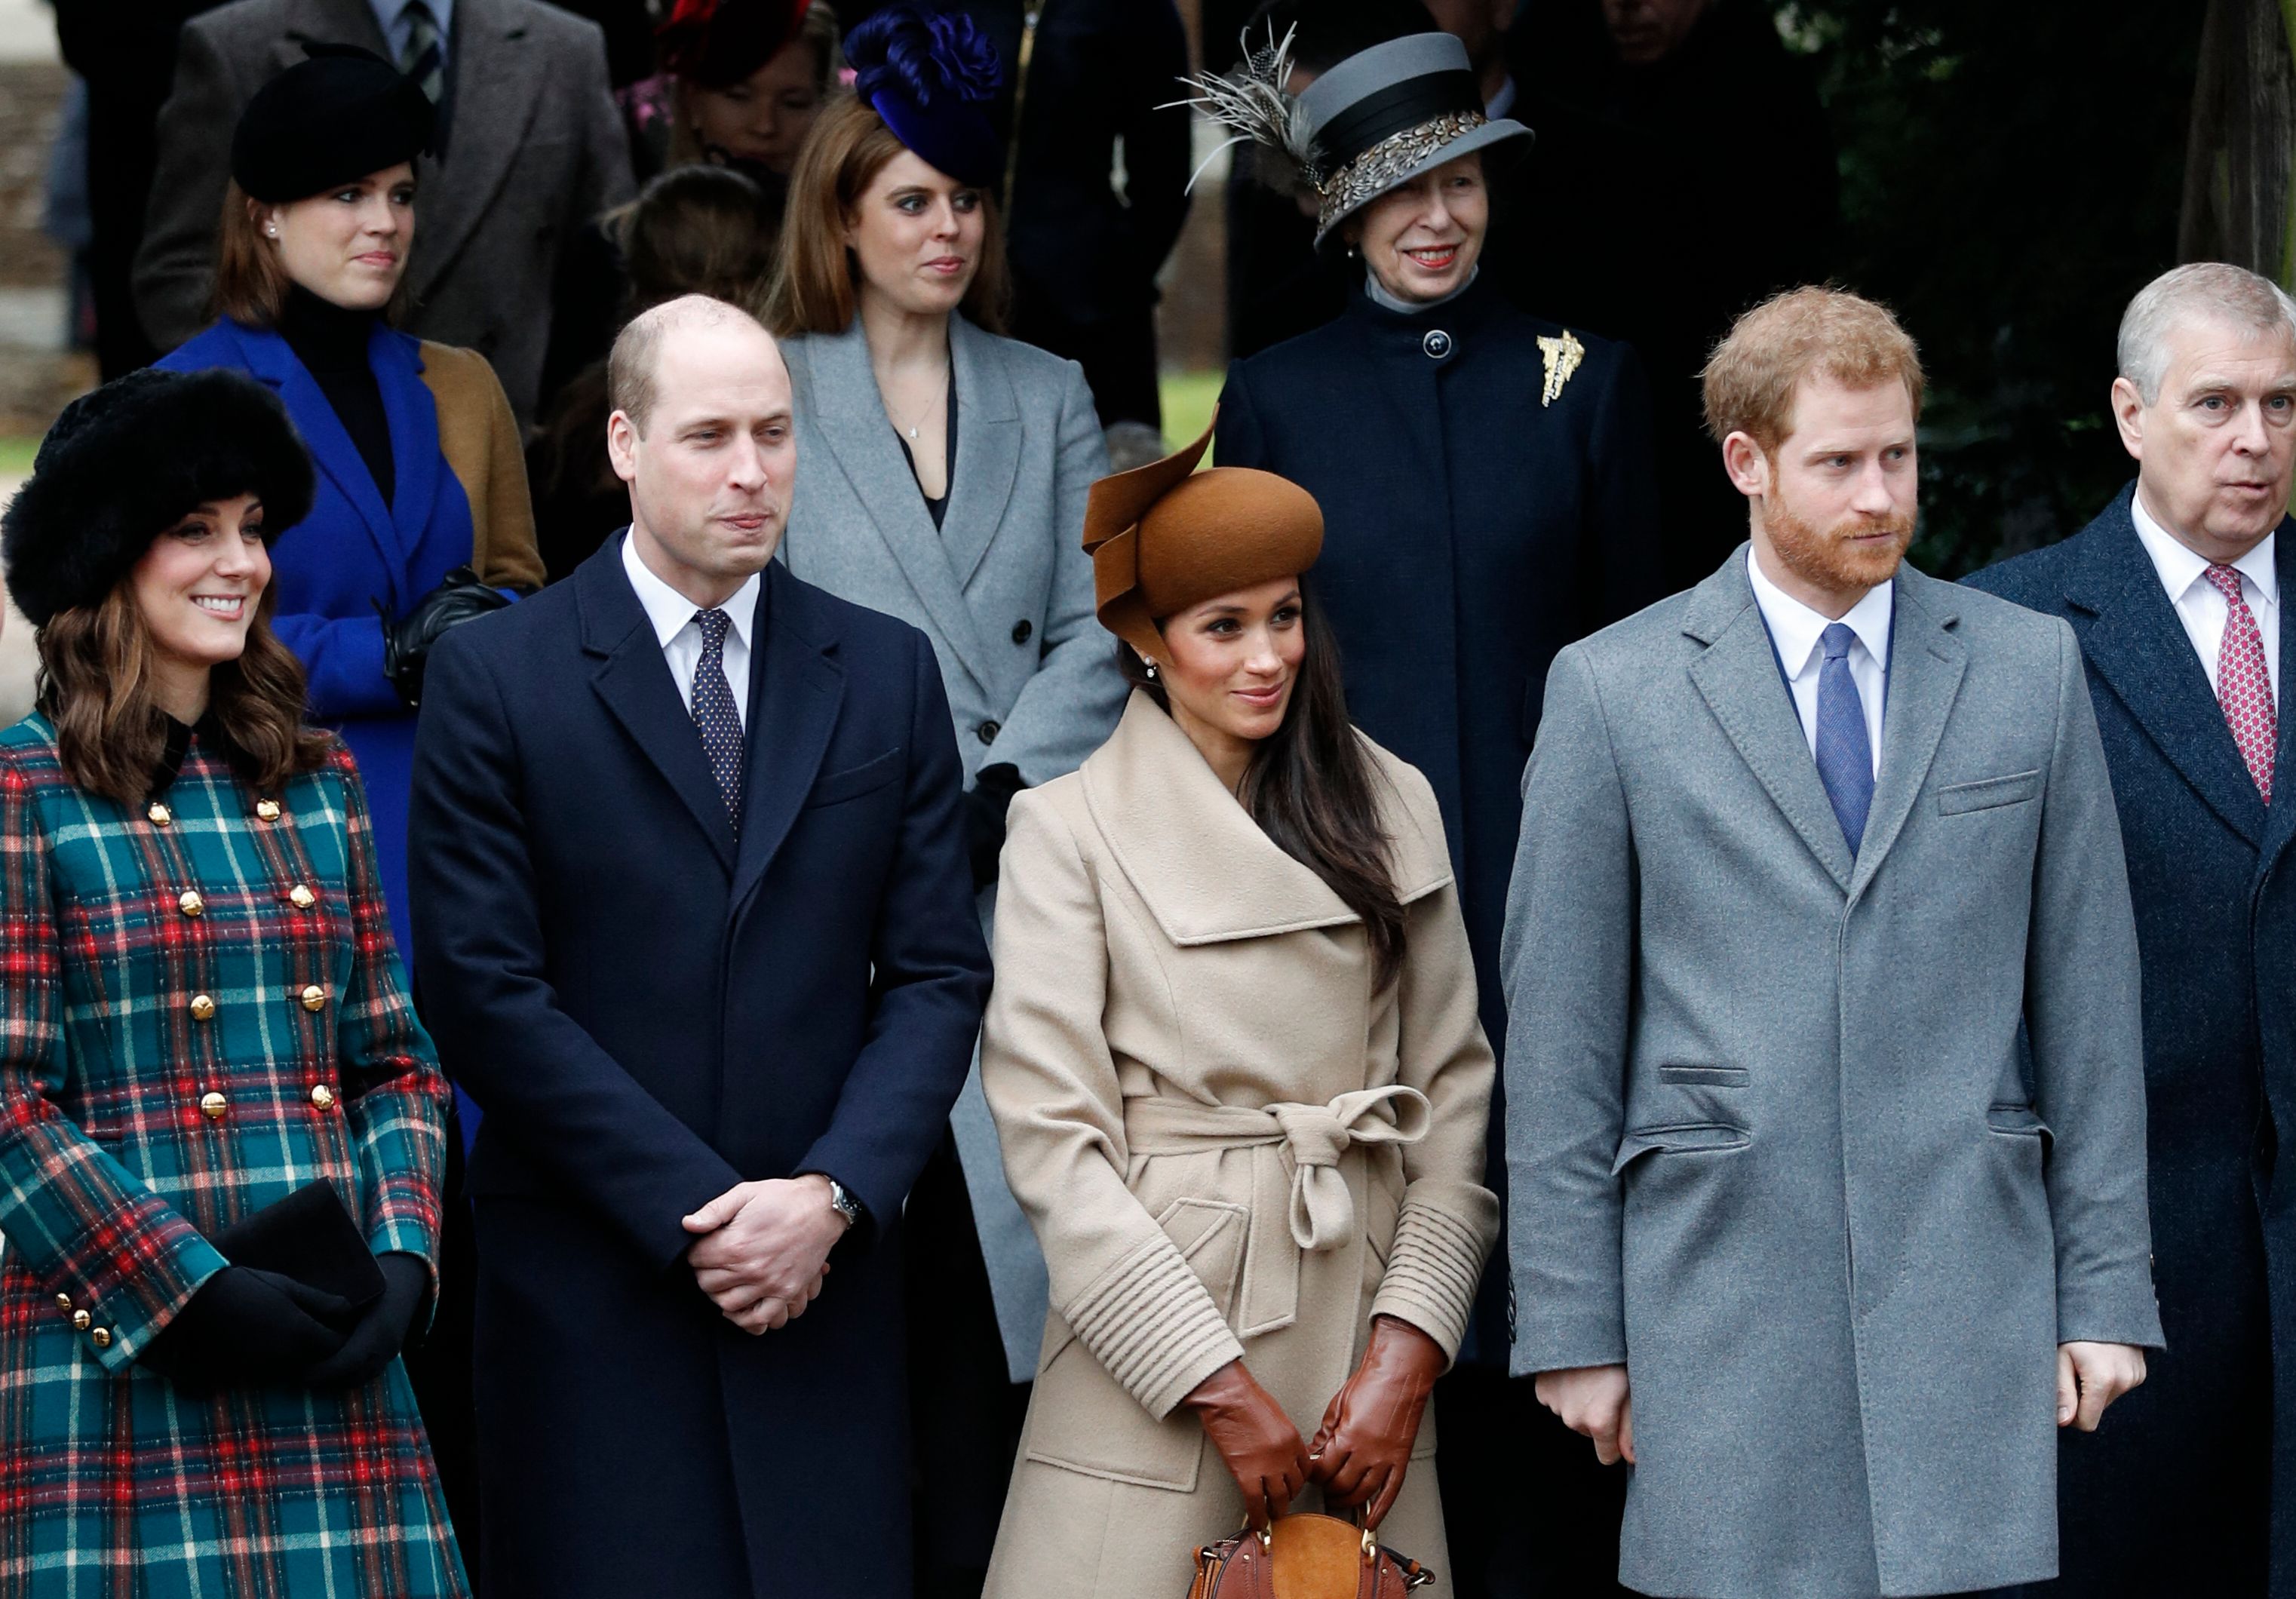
(419, 473)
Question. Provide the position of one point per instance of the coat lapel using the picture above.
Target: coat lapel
(269, 358)
(989, 446)
(635, 681)
(496, 95)
(795, 691)
(417, 461)
(1926, 665)
(2280, 817)
(1738, 674)
(2133, 639)
(322, 22)
(851, 416)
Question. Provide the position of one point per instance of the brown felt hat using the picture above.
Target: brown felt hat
(1165, 537)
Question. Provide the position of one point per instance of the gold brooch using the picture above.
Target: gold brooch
(1562, 356)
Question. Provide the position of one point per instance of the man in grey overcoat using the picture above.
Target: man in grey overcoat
(530, 147)
(1826, 1100)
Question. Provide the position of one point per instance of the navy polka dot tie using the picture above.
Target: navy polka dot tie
(714, 713)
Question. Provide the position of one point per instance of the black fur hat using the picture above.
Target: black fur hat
(123, 463)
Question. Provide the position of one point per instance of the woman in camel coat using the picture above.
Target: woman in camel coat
(1241, 1089)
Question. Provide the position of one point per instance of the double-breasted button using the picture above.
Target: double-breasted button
(315, 998)
(301, 897)
(83, 1320)
(63, 1303)
(323, 1096)
(266, 811)
(989, 731)
(191, 904)
(1023, 631)
(103, 1337)
(213, 1104)
(202, 1007)
(159, 814)
(1437, 344)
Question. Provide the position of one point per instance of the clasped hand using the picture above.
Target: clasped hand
(761, 1250)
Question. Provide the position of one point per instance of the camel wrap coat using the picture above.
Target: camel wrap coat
(1230, 1146)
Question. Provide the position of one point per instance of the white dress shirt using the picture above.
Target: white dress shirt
(2200, 606)
(390, 15)
(672, 615)
(1799, 632)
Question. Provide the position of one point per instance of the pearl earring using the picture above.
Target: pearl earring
(272, 231)
(1151, 666)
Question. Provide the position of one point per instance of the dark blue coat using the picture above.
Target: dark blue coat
(353, 549)
(649, 1010)
(1471, 530)
(2175, 1494)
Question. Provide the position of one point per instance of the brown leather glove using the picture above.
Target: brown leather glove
(1255, 1438)
(1363, 1447)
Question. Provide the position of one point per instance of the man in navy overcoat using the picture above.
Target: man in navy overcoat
(2178, 592)
(697, 928)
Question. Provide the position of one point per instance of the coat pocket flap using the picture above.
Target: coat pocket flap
(1988, 792)
(871, 774)
(1714, 1076)
(1676, 1140)
(2016, 1119)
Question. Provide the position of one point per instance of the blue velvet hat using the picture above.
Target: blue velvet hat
(931, 74)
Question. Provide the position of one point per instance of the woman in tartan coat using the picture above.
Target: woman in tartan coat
(221, 1126)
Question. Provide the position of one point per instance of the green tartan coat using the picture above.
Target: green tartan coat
(201, 1011)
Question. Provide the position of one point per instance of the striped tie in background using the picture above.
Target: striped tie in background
(424, 58)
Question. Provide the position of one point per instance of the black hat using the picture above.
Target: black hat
(123, 463)
(331, 119)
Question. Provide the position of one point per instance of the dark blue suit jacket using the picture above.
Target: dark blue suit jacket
(649, 1010)
(2176, 1493)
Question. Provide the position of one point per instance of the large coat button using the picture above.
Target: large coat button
(322, 1097)
(63, 1303)
(159, 814)
(301, 897)
(83, 1320)
(202, 1007)
(212, 1106)
(266, 811)
(103, 1337)
(1023, 631)
(191, 904)
(989, 731)
(1437, 344)
(315, 998)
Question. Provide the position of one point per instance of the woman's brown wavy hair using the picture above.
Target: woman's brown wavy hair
(96, 685)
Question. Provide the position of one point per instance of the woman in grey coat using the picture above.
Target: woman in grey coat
(943, 478)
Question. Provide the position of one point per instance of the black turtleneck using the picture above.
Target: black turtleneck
(332, 344)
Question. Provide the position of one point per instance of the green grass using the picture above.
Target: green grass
(16, 456)
(1189, 398)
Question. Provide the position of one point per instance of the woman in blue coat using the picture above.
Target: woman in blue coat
(420, 514)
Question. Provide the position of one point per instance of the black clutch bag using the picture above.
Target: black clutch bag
(311, 1237)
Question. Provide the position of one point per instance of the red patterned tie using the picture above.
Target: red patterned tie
(2243, 686)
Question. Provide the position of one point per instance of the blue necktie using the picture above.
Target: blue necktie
(1845, 756)
(714, 713)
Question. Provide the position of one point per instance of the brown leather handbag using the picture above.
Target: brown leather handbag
(1305, 1556)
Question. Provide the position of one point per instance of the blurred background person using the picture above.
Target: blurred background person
(528, 148)
(693, 230)
(946, 480)
(220, 1196)
(1487, 486)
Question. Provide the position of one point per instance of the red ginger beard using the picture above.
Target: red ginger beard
(1840, 557)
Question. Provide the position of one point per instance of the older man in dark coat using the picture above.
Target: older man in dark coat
(2178, 592)
(695, 927)
(529, 148)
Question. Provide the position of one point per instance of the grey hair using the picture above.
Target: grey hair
(632, 364)
(2204, 291)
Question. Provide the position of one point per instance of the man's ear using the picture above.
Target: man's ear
(622, 445)
(1748, 464)
(2128, 415)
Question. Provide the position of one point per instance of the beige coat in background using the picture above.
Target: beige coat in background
(1229, 1146)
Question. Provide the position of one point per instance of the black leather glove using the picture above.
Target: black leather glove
(381, 1333)
(985, 804)
(250, 1328)
(407, 643)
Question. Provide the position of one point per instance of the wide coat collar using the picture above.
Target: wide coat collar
(1206, 871)
(2131, 638)
(849, 415)
(1737, 674)
(796, 688)
(409, 408)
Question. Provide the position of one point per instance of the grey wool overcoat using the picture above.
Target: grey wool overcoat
(1004, 590)
(1773, 1140)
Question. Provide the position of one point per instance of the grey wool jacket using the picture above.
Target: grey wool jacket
(1831, 1152)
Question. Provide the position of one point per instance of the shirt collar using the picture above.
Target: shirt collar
(1796, 630)
(671, 612)
(2181, 566)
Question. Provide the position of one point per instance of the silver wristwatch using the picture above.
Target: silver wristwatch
(841, 1201)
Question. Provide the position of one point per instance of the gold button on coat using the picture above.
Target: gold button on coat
(315, 998)
(301, 897)
(267, 809)
(63, 1303)
(83, 1320)
(212, 1106)
(323, 1096)
(103, 1336)
(202, 1007)
(191, 904)
(159, 814)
